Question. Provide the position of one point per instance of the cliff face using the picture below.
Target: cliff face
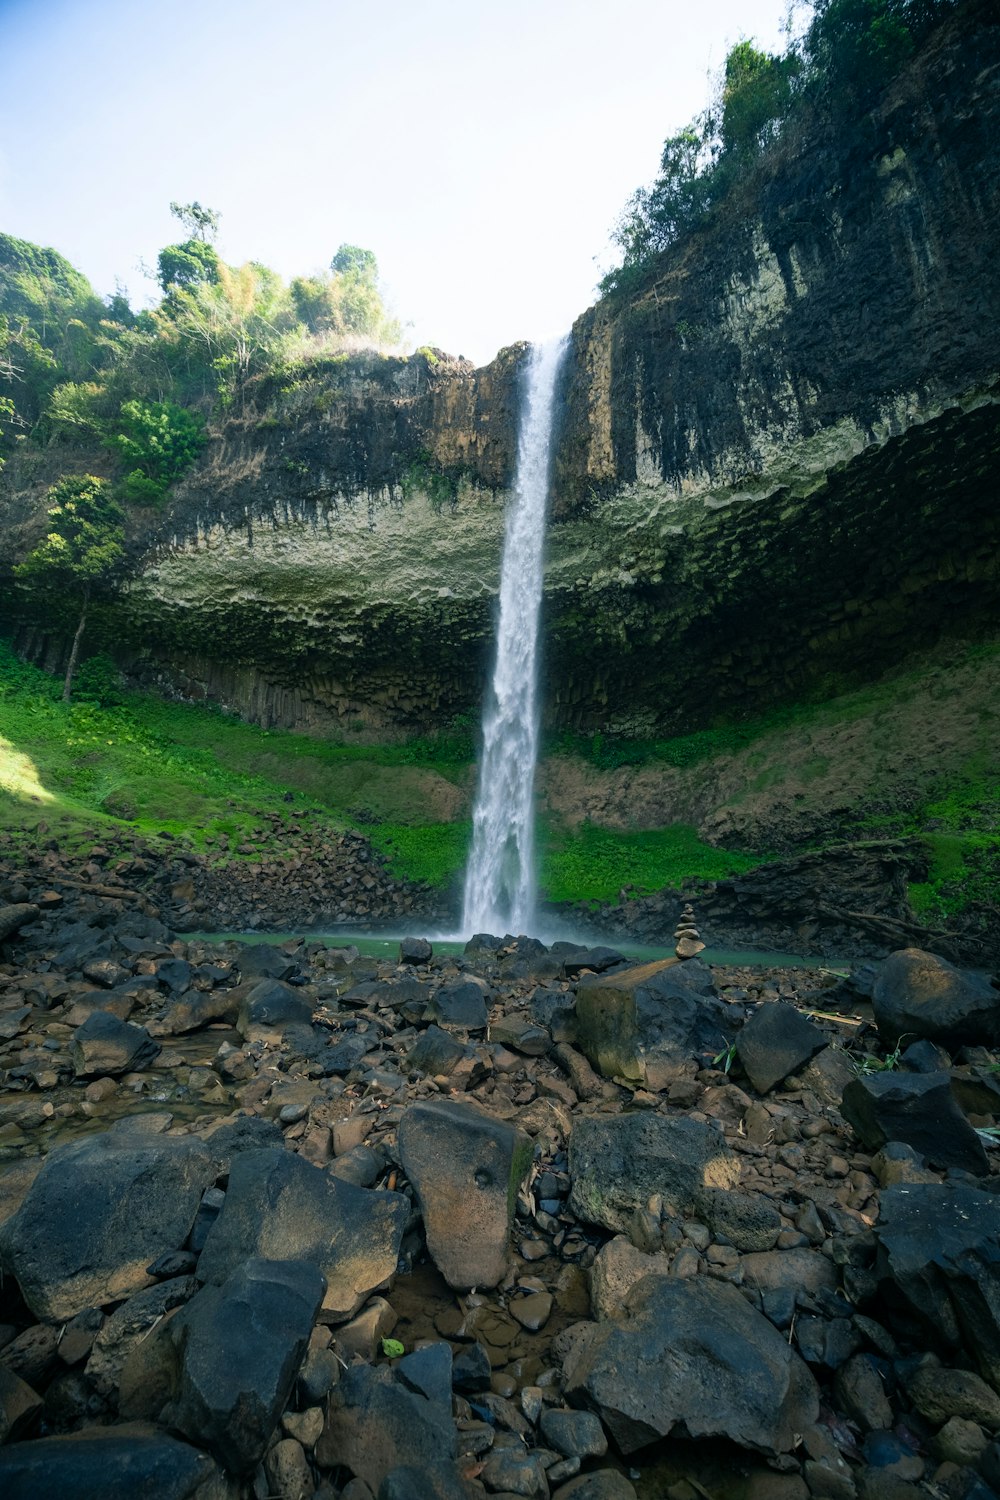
(775, 466)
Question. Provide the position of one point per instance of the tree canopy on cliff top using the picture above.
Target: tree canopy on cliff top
(78, 370)
(848, 52)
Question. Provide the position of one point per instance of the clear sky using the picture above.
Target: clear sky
(482, 150)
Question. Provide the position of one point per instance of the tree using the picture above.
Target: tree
(83, 552)
(353, 260)
(186, 265)
(235, 325)
(756, 92)
(159, 440)
(200, 223)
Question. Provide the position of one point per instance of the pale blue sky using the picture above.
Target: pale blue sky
(483, 151)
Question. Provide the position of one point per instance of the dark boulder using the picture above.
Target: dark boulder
(463, 1003)
(650, 1022)
(379, 1420)
(434, 1053)
(99, 1213)
(775, 1042)
(280, 1207)
(919, 995)
(466, 1168)
(270, 1008)
(938, 1265)
(414, 950)
(238, 1348)
(109, 1463)
(105, 1046)
(263, 961)
(918, 1109)
(692, 1357)
(617, 1164)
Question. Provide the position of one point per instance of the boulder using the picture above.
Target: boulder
(648, 1023)
(100, 1212)
(237, 1351)
(13, 918)
(939, 1253)
(129, 1325)
(105, 1046)
(918, 1109)
(692, 1357)
(434, 1053)
(197, 1008)
(775, 1042)
(746, 1220)
(920, 995)
(269, 1009)
(619, 1267)
(110, 1463)
(466, 1168)
(280, 1207)
(381, 1418)
(415, 950)
(618, 1163)
(264, 961)
(461, 1004)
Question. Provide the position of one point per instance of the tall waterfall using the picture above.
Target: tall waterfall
(500, 879)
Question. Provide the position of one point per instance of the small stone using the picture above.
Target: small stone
(531, 1312)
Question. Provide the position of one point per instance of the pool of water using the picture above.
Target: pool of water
(386, 945)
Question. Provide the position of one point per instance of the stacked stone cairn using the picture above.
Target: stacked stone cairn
(687, 938)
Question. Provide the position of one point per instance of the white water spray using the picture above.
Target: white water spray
(500, 879)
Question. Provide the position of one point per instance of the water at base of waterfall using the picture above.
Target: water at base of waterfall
(500, 890)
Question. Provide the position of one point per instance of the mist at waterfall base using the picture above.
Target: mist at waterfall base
(500, 882)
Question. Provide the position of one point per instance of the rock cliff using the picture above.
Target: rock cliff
(775, 468)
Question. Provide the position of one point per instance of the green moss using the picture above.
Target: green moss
(434, 853)
(595, 864)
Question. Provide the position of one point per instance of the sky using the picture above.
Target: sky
(483, 151)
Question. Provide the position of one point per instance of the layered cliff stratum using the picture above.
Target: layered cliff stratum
(775, 483)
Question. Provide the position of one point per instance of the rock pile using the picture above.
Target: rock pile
(523, 1221)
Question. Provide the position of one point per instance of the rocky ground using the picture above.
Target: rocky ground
(279, 1220)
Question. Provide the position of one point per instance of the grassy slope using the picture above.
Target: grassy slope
(211, 779)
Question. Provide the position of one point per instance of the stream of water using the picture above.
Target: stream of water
(500, 890)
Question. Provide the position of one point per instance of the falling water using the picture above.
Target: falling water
(500, 880)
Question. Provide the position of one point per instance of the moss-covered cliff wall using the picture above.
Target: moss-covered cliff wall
(775, 467)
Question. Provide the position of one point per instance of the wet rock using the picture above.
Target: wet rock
(99, 1212)
(105, 1046)
(466, 1168)
(199, 1008)
(414, 950)
(263, 961)
(379, 1421)
(269, 1009)
(282, 1208)
(918, 1109)
(919, 995)
(693, 1355)
(938, 1250)
(110, 1463)
(238, 1348)
(617, 1164)
(775, 1042)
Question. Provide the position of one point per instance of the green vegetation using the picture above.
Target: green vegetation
(596, 864)
(851, 50)
(75, 370)
(83, 553)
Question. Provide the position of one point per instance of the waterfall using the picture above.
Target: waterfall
(500, 879)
